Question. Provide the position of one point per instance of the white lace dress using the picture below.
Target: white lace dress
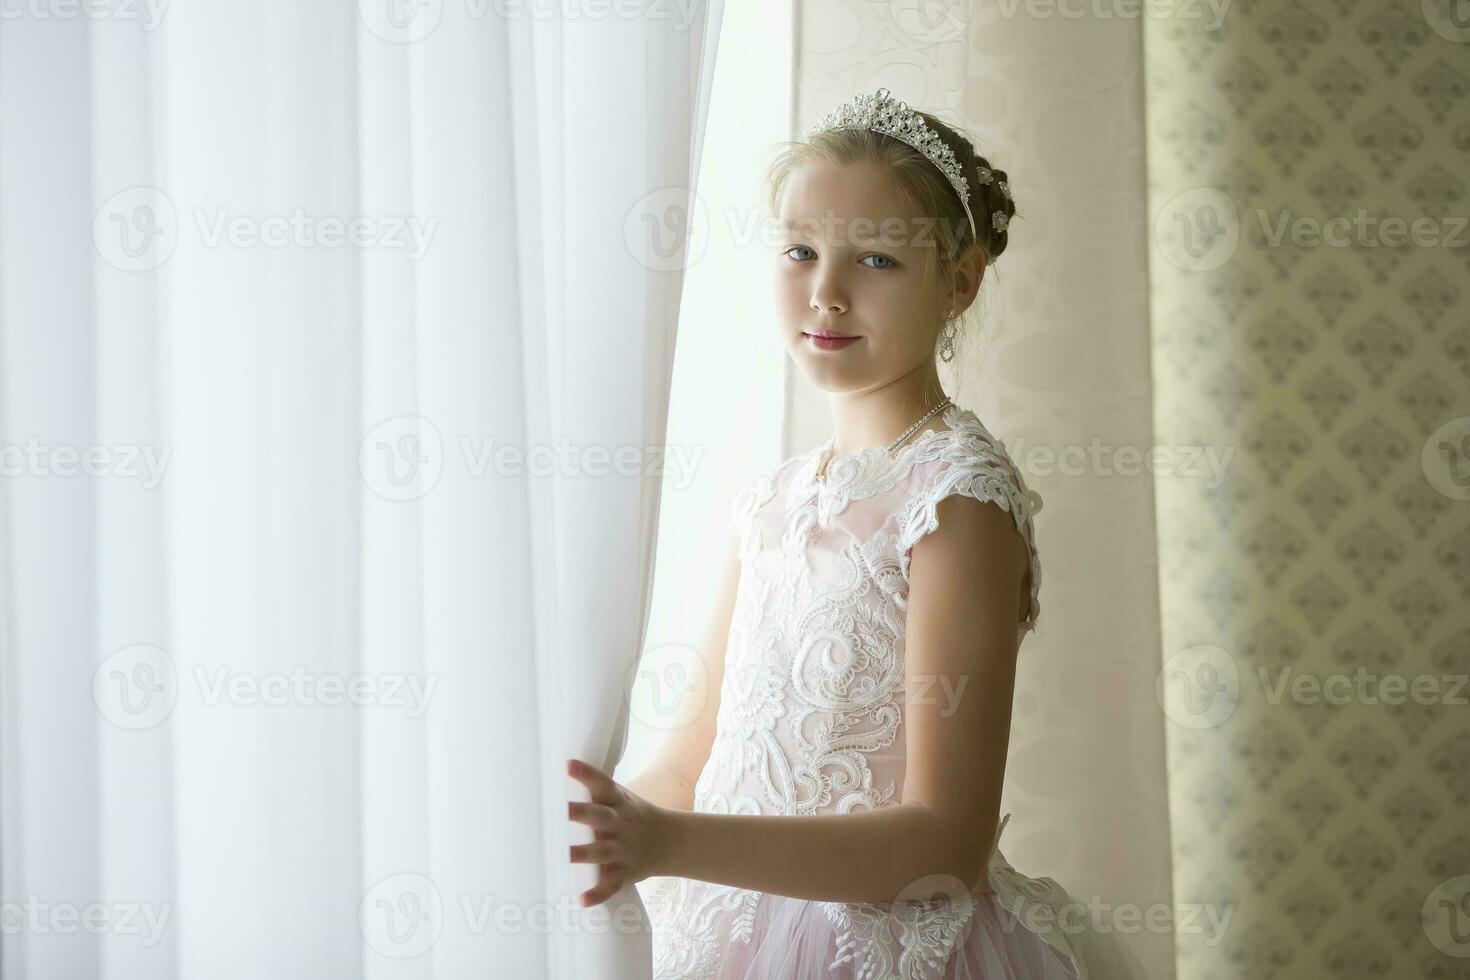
(810, 722)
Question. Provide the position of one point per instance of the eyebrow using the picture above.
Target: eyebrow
(809, 222)
(807, 228)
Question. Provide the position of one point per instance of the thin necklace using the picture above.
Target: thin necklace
(827, 456)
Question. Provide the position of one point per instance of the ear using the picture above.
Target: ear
(969, 272)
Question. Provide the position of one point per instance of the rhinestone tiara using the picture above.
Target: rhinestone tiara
(884, 114)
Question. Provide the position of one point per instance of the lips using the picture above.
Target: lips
(830, 341)
(830, 335)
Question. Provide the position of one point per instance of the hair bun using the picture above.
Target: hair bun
(996, 208)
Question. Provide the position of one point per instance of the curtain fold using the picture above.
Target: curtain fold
(364, 281)
(612, 348)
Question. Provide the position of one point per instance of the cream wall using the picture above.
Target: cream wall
(1061, 357)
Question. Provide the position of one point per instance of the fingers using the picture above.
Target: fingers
(606, 851)
(598, 783)
(598, 852)
(607, 886)
(600, 818)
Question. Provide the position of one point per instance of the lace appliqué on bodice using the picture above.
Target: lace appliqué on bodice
(810, 716)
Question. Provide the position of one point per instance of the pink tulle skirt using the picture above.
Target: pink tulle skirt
(793, 939)
(1016, 932)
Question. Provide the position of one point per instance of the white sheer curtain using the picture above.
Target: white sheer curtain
(334, 361)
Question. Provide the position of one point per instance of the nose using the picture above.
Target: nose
(828, 296)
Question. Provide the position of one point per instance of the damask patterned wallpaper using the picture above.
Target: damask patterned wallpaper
(1308, 165)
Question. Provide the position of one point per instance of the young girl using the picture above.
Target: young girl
(835, 813)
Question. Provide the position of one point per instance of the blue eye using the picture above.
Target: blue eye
(890, 263)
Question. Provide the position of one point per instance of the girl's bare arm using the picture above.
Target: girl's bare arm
(680, 754)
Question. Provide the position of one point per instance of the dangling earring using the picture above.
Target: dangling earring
(946, 333)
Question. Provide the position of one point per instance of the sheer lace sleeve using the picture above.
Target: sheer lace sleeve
(750, 497)
(985, 472)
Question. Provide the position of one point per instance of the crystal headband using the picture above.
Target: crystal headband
(881, 113)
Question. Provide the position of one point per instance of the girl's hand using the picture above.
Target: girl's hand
(629, 831)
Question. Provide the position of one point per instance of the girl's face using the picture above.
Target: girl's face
(852, 261)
